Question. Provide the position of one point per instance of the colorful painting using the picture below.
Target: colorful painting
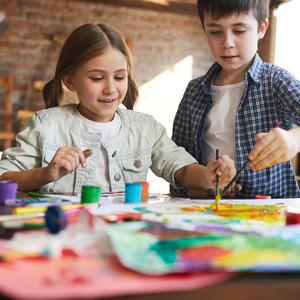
(154, 248)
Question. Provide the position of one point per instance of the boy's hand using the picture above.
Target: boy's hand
(65, 161)
(224, 167)
(274, 147)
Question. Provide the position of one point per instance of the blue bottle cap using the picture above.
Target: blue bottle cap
(55, 219)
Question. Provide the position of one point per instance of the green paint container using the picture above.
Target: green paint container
(90, 194)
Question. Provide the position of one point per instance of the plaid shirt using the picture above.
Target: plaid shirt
(271, 95)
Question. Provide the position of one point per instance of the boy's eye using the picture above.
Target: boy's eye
(238, 31)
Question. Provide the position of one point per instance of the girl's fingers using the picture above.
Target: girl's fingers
(84, 155)
(226, 169)
(74, 155)
(60, 164)
(87, 153)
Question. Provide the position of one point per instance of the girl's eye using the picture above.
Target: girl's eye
(119, 78)
(96, 78)
(215, 32)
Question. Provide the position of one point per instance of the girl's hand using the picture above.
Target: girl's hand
(65, 161)
(274, 147)
(232, 191)
(210, 193)
(223, 167)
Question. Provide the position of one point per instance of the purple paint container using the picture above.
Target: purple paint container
(8, 190)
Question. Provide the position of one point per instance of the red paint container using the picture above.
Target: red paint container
(292, 215)
(145, 191)
(262, 197)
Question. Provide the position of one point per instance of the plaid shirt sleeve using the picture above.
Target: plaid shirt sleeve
(182, 132)
(286, 91)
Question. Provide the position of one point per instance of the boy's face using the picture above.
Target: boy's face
(233, 40)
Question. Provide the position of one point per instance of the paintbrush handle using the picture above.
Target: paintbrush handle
(217, 176)
(235, 177)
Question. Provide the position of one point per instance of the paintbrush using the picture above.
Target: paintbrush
(217, 192)
(226, 188)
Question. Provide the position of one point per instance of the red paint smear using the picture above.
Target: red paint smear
(205, 253)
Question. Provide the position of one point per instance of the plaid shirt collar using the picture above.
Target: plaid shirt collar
(255, 73)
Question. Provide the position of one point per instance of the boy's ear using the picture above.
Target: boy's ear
(68, 82)
(263, 28)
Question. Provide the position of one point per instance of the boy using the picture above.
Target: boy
(235, 106)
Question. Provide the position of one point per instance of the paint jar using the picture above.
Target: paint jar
(8, 190)
(145, 190)
(292, 215)
(133, 192)
(90, 194)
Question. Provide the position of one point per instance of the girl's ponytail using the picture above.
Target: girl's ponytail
(53, 92)
(132, 93)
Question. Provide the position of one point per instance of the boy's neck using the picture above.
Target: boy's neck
(225, 77)
(228, 77)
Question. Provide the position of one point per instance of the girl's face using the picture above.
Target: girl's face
(233, 40)
(101, 85)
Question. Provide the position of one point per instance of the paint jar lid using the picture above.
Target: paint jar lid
(55, 219)
(90, 194)
(8, 190)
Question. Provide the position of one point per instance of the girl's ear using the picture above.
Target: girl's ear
(68, 82)
(263, 28)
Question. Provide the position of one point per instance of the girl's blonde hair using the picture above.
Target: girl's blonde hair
(84, 43)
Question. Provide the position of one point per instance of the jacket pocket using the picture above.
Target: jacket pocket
(136, 168)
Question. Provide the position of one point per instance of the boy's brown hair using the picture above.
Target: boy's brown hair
(223, 8)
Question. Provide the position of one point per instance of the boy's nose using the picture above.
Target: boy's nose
(228, 41)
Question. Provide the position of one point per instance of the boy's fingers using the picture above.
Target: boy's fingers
(262, 141)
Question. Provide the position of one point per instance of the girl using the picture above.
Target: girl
(96, 141)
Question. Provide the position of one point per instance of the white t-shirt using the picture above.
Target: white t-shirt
(107, 130)
(219, 130)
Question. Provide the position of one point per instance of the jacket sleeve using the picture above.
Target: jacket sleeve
(27, 154)
(167, 157)
(182, 132)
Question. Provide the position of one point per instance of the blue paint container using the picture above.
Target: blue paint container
(133, 192)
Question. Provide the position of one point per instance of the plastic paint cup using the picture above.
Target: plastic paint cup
(292, 215)
(90, 194)
(145, 190)
(8, 190)
(133, 192)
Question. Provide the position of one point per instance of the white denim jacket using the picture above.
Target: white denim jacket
(142, 143)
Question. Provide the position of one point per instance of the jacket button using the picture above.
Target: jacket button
(137, 163)
(117, 177)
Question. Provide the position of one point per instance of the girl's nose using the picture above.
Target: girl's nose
(109, 87)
